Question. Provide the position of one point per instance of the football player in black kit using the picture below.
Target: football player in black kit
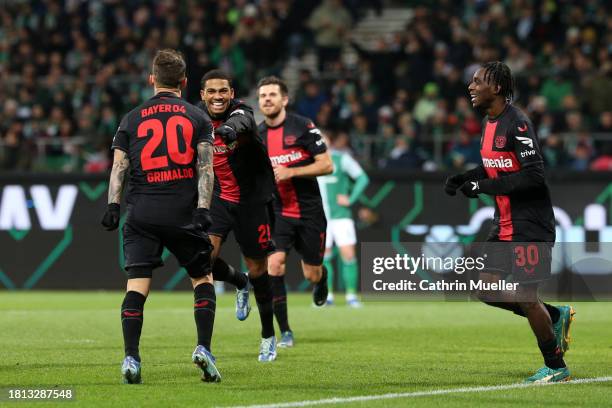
(244, 189)
(298, 155)
(512, 171)
(167, 145)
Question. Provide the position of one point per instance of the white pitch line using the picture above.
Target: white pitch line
(309, 403)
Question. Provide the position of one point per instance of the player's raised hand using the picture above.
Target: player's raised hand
(110, 219)
(453, 183)
(282, 173)
(227, 133)
(470, 189)
(202, 219)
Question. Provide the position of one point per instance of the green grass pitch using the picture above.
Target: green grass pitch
(69, 339)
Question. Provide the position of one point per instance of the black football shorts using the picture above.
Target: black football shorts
(527, 262)
(306, 235)
(251, 225)
(143, 244)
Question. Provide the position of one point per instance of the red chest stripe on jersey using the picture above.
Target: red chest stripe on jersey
(286, 189)
(494, 162)
(230, 190)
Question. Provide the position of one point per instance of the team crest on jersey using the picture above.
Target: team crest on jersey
(500, 141)
(290, 140)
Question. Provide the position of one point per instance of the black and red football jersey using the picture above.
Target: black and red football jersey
(160, 137)
(293, 144)
(513, 171)
(243, 173)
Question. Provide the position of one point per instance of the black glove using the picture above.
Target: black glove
(470, 189)
(110, 220)
(453, 183)
(202, 219)
(227, 133)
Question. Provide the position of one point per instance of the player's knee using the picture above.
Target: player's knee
(313, 273)
(349, 260)
(204, 279)
(256, 267)
(528, 306)
(347, 254)
(139, 280)
(276, 266)
(216, 243)
(200, 266)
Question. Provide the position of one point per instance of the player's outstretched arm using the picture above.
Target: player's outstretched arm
(360, 178)
(240, 121)
(321, 166)
(527, 178)
(206, 177)
(206, 180)
(361, 182)
(121, 163)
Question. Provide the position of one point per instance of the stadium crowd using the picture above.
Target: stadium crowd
(70, 69)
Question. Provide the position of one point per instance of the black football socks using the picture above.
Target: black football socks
(222, 271)
(279, 302)
(263, 296)
(553, 356)
(553, 312)
(205, 302)
(131, 322)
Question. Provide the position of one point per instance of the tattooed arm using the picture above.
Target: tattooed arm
(117, 177)
(206, 177)
(110, 220)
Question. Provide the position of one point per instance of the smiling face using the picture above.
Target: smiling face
(482, 93)
(271, 100)
(216, 95)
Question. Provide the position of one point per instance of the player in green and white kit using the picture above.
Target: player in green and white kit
(339, 191)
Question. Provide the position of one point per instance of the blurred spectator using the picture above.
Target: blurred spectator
(465, 152)
(604, 129)
(554, 153)
(582, 155)
(599, 89)
(425, 107)
(330, 23)
(312, 101)
(554, 90)
(230, 58)
(403, 156)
